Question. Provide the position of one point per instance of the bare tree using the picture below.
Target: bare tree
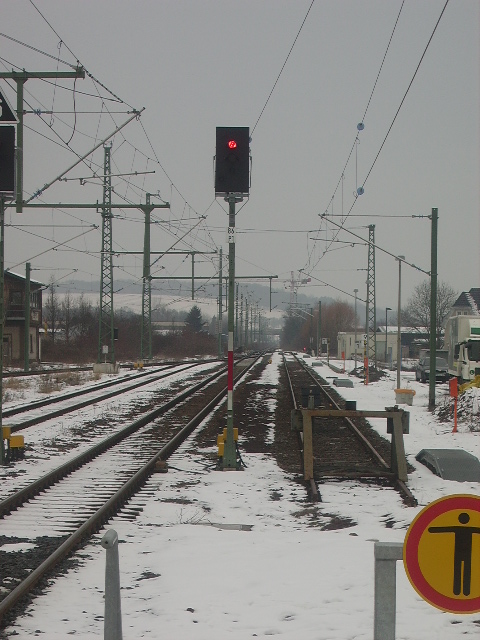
(301, 332)
(51, 311)
(67, 316)
(84, 319)
(291, 337)
(416, 313)
(337, 316)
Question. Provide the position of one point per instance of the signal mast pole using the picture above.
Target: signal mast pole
(232, 182)
(230, 453)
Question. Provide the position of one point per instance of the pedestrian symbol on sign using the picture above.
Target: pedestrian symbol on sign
(462, 555)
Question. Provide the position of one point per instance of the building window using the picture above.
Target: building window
(16, 297)
(35, 299)
(31, 343)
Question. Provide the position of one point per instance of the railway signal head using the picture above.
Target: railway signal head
(232, 161)
(7, 160)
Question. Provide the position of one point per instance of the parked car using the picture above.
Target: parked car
(422, 372)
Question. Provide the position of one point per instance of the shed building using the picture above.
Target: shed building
(14, 328)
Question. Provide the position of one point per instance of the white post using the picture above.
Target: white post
(399, 335)
(113, 611)
(386, 556)
(355, 291)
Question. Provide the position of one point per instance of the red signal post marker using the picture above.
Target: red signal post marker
(453, 385)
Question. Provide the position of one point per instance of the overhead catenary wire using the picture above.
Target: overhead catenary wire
(104, 108)
(45, 110)
(376, 246)
(356, 140)
(383, 61)
(71, 52)
(10, 65)
(197, 228)
(283, 67)
(406, 92)
(390, 128)
(59, 244)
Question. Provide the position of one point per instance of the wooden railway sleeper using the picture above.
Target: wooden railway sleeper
(398, 421)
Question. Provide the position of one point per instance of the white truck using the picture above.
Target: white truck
(462, 339)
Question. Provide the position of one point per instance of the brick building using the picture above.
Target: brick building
(14, 327)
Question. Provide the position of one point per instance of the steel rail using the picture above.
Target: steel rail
(42, 372)
(97, 520)
(37, 404)
(33, 489)
(400, 484)
(85, 403)
(313, 486)
(368, 445)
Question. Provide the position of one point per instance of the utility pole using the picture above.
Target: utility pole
(26, 344)
(240, 333)
(232, 181)
(371, 300)
(235, 343)
(146, 326)
(319, 330)
(311, 331)
(294, 285)
(106, 349)
(2, 315)
(20, 78)
(230, 453)
(15, 170)
(355, 291)
(220, 307)
(252, 326)
(399, 321)
(387, 309)
(246, 323)
(433, 311)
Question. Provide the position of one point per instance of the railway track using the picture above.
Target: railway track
(343, 448)
(23, 416)
(49, 368)
(113, 478)
(71, 503)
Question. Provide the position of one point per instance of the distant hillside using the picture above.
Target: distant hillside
(170, 290)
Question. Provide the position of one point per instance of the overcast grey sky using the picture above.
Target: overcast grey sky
(196, 65)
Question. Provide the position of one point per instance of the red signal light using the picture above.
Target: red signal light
(232, 144)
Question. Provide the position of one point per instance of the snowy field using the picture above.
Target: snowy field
(133, 302)
(189, 571)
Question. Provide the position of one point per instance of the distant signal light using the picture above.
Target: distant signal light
(232, 161)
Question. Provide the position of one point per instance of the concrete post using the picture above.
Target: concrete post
(2, 313)
(386, 556)
(433, 310)
(113, 611)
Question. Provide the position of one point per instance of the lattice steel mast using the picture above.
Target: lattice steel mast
(371, 299)
(146, 326)
(106, 332)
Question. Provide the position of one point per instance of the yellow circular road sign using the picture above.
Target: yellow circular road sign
(441, 553)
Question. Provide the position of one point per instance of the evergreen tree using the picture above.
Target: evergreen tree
(194, 320)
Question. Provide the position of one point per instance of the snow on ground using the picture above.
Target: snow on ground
(189, 572)
(53, 438)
